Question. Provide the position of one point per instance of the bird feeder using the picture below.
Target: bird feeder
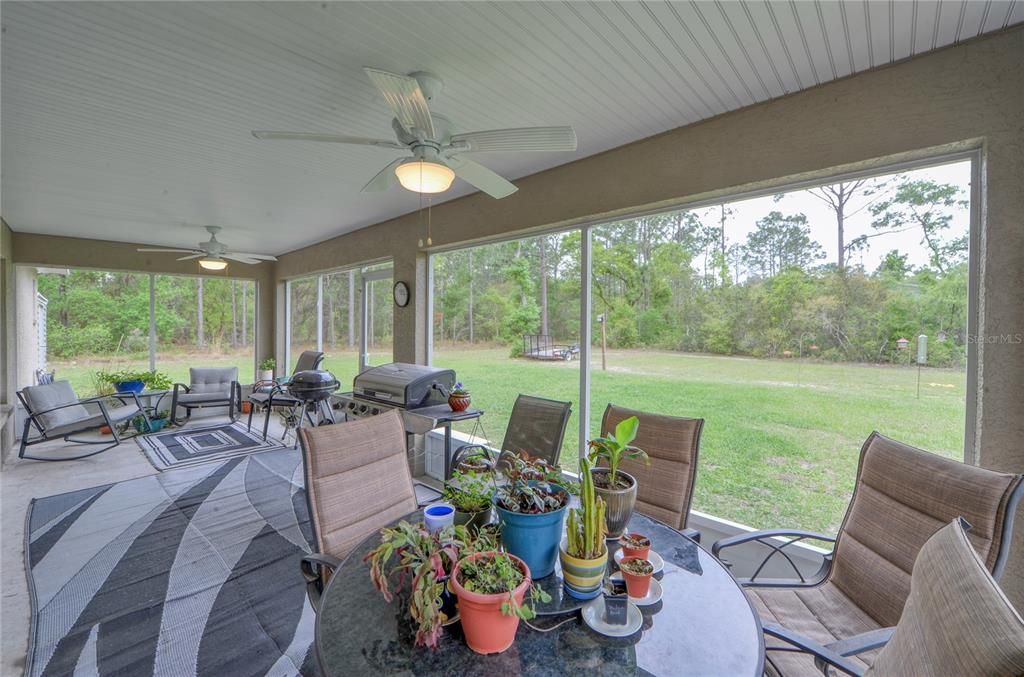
(902, 343)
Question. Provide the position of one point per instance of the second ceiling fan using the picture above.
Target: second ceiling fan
(438, 155)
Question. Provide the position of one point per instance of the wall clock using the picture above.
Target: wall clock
(401, 292)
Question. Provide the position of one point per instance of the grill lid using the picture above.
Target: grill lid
(312, 383)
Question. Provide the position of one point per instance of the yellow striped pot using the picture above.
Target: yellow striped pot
(583, 577)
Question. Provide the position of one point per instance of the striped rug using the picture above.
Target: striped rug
(187, 572)
(193, 445)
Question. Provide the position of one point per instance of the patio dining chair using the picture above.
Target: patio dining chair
(536, 426)
(357, 481)
(207, 387)
(902, 496)
(277, 395)
(665, 485)
(956, 620)
(54, 412)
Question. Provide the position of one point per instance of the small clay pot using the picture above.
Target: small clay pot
(632, 550)
(636, 586)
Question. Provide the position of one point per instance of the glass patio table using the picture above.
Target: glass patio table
(703, 625)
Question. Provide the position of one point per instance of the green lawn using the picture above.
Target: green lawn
(781, 438)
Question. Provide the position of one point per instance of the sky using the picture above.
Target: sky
(822, 221)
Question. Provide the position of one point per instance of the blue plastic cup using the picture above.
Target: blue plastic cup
(437, 516)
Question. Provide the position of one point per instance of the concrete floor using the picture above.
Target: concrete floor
(23, 480)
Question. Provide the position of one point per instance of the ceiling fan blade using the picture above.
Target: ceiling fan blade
(168, 251)
(326, 138)
(481, 177)
(405, 98)
(193, 256)
(255, 257)
(240, 258)
(383, 179)
(523, 139)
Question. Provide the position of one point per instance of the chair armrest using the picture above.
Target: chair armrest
(182, 385)
(316, 568)
(866, 641)
(805, 645)
(691, 534)
(762, 536)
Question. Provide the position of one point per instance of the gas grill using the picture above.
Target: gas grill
(419, 392)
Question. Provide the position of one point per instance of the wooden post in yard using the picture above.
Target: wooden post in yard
(604, 343)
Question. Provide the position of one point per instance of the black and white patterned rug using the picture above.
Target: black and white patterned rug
(187, 572)
(180, 447)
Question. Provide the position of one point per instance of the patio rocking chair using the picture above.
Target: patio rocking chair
(56, 413)
(902, 496)
(537, 426)
(208, 387)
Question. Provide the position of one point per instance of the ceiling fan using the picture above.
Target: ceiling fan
(212, 255)
(438, 155)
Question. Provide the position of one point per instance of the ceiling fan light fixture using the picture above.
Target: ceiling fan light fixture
(423, 176)
(213, 263)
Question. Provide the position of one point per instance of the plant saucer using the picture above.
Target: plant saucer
(654, 592)
(593, 616)
(654, 558)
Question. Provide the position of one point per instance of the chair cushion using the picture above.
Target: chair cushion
(903, 495)
(821, 613)
(956, 621)
(212, 379)
(43, 397)
(357, 479)
(222, 396)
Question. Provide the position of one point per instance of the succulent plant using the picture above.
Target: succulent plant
(586, 527)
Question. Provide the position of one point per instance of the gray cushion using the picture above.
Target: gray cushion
(223, 396)
(41, 398)
(212, 379)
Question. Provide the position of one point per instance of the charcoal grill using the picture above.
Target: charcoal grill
(313, 385)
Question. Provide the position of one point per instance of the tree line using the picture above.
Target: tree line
(673, 281)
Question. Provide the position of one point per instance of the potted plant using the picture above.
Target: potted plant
(157, 421)
(584, 554)
(470, 493)
(531, 507)
(617, 488)
(491, 587)
(458, 398)
(425, 561)
(635, 545)
(637, 573)
(129, 381)
(266, 369)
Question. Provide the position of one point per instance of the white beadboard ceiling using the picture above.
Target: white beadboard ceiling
(130, 121)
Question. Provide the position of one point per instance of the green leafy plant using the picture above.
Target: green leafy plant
(530, 486)
(615, 446)
(269, 364)
(430, 558)
(154, 380)
(468, 491)
(586, 528)
(496, 573)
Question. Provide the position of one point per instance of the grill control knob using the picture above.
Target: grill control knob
(362, 408)
(351, 405)
(375, 411)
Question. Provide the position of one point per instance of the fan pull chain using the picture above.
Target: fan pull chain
(430, 202)
(419, 216)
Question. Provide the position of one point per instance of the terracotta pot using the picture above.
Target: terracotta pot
(619, 503)
(459, 402)
(488, 630)
(632, 551)
(636, 586)
(105, 430)
(246, 407)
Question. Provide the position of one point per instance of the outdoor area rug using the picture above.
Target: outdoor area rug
(187, 446)
(187, 572)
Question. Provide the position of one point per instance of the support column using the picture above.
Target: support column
(586, 243)
(410, 336)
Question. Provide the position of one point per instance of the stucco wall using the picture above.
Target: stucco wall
(8, 340)
(70, 252)
(967, 96)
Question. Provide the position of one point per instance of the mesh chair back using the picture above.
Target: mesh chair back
(903, 495)
(672, 443)
(308, 361)
(357, 479)
(537, 426)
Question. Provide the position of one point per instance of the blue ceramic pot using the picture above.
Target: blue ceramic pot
(129, 386)
(533, 538)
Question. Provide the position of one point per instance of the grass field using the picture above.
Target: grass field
(781, 438)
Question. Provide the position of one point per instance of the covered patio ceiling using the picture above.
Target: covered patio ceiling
(130, 121)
